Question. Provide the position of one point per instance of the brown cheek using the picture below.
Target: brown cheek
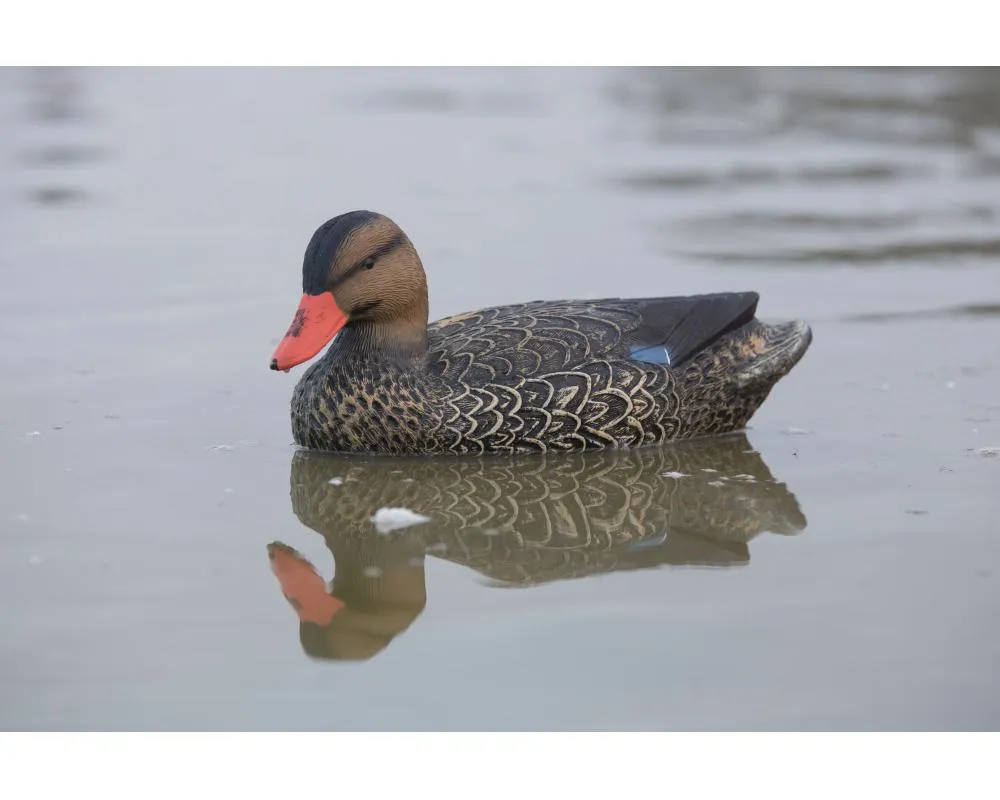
(345, 297)
(376, 287)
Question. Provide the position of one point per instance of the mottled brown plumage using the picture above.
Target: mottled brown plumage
(567, 375)
(526, 520)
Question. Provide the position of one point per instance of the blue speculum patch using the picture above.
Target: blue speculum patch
(653, 354)
(648, 544)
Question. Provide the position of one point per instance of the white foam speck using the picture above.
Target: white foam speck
(674, 475)
(716, 483)
(336, 481)
(795, 431)
(373, 572)
(33, 433)
(708, 469)
(390, 519)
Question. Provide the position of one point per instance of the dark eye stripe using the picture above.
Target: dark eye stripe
(384, 250)
(388, 247)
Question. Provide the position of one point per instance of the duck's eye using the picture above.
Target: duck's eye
(369, 263)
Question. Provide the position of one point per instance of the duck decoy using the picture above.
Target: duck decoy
(560, 375)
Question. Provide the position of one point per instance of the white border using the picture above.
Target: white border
(483, 766)
(540, 32)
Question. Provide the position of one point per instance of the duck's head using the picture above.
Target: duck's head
(359, 269)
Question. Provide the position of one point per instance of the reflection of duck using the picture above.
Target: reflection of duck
(520, 521)
(565, 375)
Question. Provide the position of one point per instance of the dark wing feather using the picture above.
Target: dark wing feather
(675, 328)
(537, 338)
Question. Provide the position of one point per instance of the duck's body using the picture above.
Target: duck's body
(565, 375)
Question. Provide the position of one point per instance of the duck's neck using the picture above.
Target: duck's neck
(399, 341)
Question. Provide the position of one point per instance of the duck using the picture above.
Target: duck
(545, 375)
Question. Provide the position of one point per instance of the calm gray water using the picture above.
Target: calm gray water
(840, 570)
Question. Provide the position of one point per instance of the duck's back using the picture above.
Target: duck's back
(590, 373)
(533, 339)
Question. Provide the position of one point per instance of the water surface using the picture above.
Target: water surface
(839, 571)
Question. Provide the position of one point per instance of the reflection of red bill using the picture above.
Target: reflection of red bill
(317, 320)
(302, 585)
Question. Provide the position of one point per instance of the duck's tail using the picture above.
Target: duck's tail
(766, 353)
(723, 388)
